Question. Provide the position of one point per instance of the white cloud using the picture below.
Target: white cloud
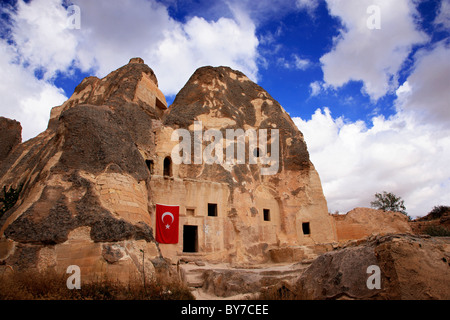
(301, 64)
(406, 154)
(315, 88)
(370, 55)
(296, 62)
(41, 36)
(198, 42)
(111, 33)
(426, 90)
(25, 98)
(398, 155)
(443, 18)
(318, 87)
(309, 5)
(114, 31)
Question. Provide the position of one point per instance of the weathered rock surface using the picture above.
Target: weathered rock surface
(84, 199)
(11, 136)
(218, 281)
(92, 179)
(412, 268)
(360, 223)
(225, 99)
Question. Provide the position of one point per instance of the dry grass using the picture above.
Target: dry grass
(280, 292)
(49, 285)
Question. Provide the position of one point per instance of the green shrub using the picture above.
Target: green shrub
(437, 212)
(388, 201)
(437, 231)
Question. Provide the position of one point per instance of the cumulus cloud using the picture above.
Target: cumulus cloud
(114, 31)
(111, 33)
(398, 154)
(443, 17)
(41, 37)
(425, 92)
(230, 42)
(406, 154)
(373, 56)
(25, 98)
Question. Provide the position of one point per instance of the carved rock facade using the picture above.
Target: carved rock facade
(92, 179)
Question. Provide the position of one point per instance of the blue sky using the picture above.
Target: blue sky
(373, 103)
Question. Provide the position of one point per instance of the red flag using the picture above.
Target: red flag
(167, 223)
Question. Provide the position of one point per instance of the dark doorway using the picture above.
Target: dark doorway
(305, 228)
(190, 239)
(266, 213)
(167, 166)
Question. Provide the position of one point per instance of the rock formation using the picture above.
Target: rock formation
(225, 99)
(84, 199)
(411, 268)
(92, 179)
(11, 136)
(360, 223)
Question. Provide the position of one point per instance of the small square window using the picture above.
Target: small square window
(212, 209)
(190, 212)
(266, 213)
(306, 229)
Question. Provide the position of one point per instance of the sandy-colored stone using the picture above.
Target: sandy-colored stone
(11, 136)
(96, 174)
(362, 222)
(411, 268)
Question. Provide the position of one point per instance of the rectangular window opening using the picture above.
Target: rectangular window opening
(212, 209)
(190, 212)
(306, 229)
(266, 213)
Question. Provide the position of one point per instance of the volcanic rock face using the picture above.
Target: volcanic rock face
(257, 212)
(11, 136)
(85, 181)
(92, 179)
(360, 223)
(410, 268)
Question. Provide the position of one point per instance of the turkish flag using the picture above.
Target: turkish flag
(167, 218)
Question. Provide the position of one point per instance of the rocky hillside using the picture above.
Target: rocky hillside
(436, 223)
(90, 182)
(11, 136)
(71, 175)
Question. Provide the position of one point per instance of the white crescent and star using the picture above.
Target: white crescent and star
(167, 214)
